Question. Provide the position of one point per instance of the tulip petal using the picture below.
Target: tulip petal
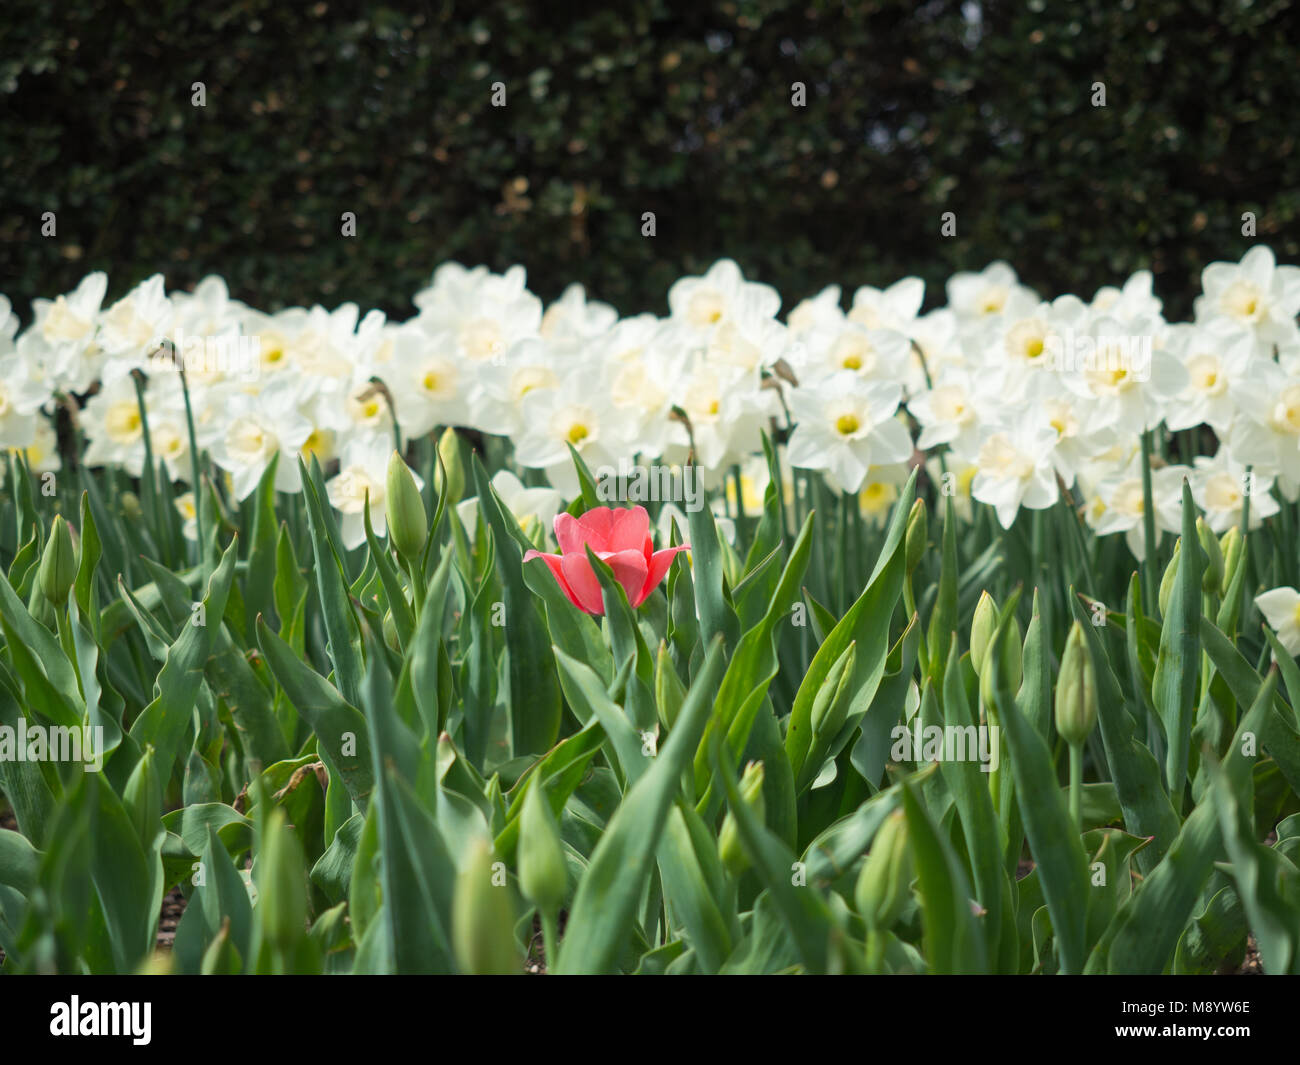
(628, 528)
(568, 533)
(630, 571)
(581, 579)
(555, 564)
(659, 563)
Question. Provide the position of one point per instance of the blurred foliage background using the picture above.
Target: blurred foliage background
(982, 108)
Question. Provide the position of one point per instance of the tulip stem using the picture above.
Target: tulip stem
(1076, 786)
(417, 584)
(550, 938)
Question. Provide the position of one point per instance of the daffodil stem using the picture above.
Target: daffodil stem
(1148, 525)
(194, 462)
(1076, 786)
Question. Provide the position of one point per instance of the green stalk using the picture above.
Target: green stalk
(194, 460)
(1076, 786)
(1148, 525)
(550, 938)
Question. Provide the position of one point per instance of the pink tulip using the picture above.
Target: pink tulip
(620, 538)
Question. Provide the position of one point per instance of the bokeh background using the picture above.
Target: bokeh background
(981, 107)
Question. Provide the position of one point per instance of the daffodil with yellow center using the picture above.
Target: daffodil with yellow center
(122, 423)
(706, 308)
(62, 323)
(481, 339)
(1285, 415)
(1243, 300)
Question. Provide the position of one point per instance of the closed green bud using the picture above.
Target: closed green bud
(222, 957)
(131, 507)
(143, 798)
(58, 570)
(449, 448)
(408, 524)
(482, 919)
(1171, 575)
(885, 882)
(982, 627)
(543, 874)
(1212, 578)
(1076, 689)
(281, 884)
(751, 794)
(670, 692)
(831, 704)
(1230, 547)
(917, 535)
(390, 633)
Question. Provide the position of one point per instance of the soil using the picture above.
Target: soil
(173, 905)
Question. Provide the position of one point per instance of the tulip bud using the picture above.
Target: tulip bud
(143, 798)
(131, 507)
(1230, 548)
(390, 633)
(885, 882)
(482, 921)
(1076, 689)
(449, 448)
(670, 692)
(222, 956)
(917, 535)
(1171, 575)
(281, 884)
(408, 524)
(543, 874)
(58, 569)
(831, 704)
(1212, 578)
(751, 793)
(982, 627)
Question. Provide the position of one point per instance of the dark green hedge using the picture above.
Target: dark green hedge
(614, 109)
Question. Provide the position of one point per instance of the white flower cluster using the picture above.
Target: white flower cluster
(1021, 395)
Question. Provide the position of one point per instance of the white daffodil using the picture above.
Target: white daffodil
(257, 429)
(1121, 504)
(61, 341)
(363, 468)
(894, 308)
(845, 426)
(574, 318)
(704, 302)
(22, 394)
(538, 503)
(975, 297)
(1266, 432)
(1255, 293)
(555, 418)
(1014, 469)
(1220, 487)
(489, 314)
(1281, 609)
(136, 325)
